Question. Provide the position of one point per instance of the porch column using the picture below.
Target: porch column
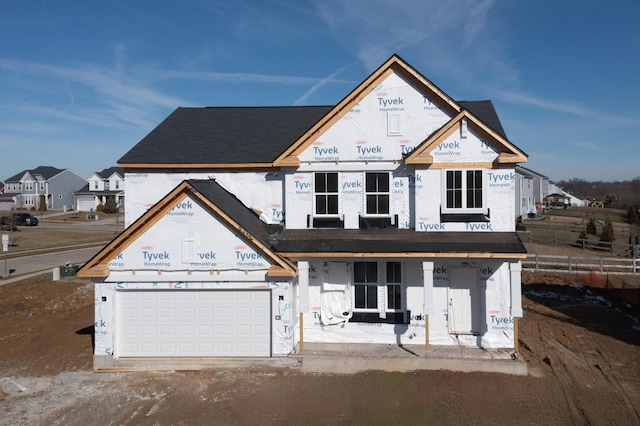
(515, 269)
(303, 295)
(427, 280)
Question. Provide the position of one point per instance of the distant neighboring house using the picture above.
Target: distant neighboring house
(6, 201)
(540, 186)
(44, 184)
(100, 188)
(525, 182)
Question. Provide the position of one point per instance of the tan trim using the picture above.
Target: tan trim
(99, 271)
(97, 266)
(507, 152)
(278, 271)
(466, 165)
(394, 64)
(296, 256)
(204, 166)
(426, 332)
(516, 343)
(128, 236)
(301, 331)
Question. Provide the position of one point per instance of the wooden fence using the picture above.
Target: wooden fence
(585, 265)
(557, 239)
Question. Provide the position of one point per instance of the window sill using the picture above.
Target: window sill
(464, 217)
(374, 317)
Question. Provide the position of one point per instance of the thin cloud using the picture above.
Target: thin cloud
(450, 37)
(303, 99)
(244, 77)
(519, 98)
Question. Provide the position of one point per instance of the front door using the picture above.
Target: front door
(463, 300)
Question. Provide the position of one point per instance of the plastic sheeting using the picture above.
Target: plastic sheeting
(335, 299)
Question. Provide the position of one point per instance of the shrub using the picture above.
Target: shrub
(632, 214)
(607, 232)
(100, 207)
(110, 207)
(591, 227)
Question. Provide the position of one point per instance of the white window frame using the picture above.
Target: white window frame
(28, 186)
(377, 193)
(316, 193)
(464, 209)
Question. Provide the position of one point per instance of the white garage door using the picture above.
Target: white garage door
(199, 323)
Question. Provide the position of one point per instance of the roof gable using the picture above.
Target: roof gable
(186, 231)
(504, 152)
(290, 157)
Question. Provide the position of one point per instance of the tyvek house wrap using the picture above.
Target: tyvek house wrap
(336, 293)
(188, 238)
(260, 191)
(386, 124)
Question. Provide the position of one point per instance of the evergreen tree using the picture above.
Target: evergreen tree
(607, 232)
(632, 214)
(591, 227)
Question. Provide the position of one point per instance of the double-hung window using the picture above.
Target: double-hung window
(394, 286)
(377, 194)
(376, 299)
(325, 188)
(464, 191)
(365, 278)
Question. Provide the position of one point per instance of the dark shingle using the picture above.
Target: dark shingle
(234, 208)
(485, 111)
(224, 135)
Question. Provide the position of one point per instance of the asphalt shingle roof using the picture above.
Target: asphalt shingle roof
(224, 135)
(46, 172)
(485, 111)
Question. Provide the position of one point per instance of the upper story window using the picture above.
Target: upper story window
(377, 194)
(117, 184)
(95, 184)
(325, 189)
(28, 186)
(464, 191)
(42, 186)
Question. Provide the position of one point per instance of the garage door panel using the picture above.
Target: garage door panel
(193, 323)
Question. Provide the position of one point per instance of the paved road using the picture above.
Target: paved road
(44, 262)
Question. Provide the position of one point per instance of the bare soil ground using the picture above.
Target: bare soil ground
(582, 349)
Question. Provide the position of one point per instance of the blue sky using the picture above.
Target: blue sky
(81, 82)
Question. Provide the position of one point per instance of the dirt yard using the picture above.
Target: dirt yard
(582, 349)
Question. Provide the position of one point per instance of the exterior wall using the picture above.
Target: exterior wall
(188, 238)
(61, 188)
(493, 305)
(299, 196)
(261, 191)
(500, 192)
